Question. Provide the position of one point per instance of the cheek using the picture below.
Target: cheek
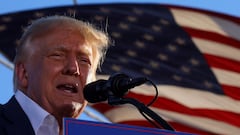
(43, 73)
(36, 79)
(51, 68)
(90, 77)
(87, 76)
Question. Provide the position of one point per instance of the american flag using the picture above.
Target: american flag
(193, 56)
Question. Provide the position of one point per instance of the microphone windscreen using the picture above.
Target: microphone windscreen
(94, 92)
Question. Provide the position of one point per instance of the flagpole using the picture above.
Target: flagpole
(74, 2)
(5, 62)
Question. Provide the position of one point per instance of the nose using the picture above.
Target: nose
(72, 67)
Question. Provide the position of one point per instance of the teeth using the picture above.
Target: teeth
(68, 91)
(68, 88)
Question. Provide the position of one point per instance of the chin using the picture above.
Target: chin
(72, 110)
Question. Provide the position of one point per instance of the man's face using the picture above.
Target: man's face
(57, 70)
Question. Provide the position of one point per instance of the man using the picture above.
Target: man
(56, 57)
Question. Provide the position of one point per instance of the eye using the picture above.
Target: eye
(57, 55)
(84, 61)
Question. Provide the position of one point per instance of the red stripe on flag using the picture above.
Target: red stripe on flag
(167, 104)
(212, 36)
(102, 107)
(231, 91)
(223, 63)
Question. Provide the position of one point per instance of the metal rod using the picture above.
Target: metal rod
(74, 2)
(6, 63)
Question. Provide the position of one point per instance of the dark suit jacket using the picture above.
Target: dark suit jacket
(13, 120)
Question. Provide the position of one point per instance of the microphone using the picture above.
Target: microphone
(117, 85)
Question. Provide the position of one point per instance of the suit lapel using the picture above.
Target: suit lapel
(17, 121)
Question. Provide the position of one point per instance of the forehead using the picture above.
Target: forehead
(59, 35)
(62, 39)
(82, 49)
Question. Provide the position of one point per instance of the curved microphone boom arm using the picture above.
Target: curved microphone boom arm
(112, 100)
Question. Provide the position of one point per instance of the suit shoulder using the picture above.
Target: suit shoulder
(2, 121)
(1, 106)
(1, 112)
(1, 118)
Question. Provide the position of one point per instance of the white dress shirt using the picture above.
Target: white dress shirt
(42, 122)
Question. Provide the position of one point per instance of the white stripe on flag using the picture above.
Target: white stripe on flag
(205, 22)
(227, 77)
(217, 49)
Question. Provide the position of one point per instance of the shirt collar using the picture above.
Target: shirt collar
(35, 113)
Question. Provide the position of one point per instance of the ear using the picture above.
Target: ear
(21, 75)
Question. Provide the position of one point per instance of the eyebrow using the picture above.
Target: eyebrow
(59, 47)
(63, 48)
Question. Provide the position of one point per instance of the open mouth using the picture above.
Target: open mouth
(70, 88)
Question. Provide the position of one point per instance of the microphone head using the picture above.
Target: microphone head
(119, 84)
(94, 92)
(116, 86)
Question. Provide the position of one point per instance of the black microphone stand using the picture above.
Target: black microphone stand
(113, 100)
